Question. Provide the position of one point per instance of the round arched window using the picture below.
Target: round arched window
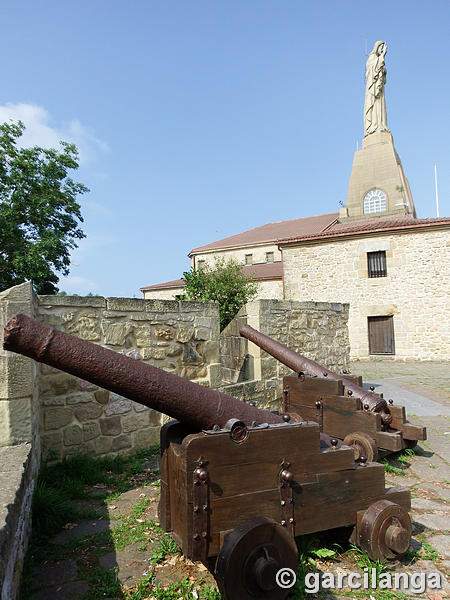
(374, 201)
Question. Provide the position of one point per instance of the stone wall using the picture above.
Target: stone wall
(415, 291)
(19, 444)
(238, 254)
(267, 288)
(163, 294)
(317, 330)
(265, 393)
(179, 337)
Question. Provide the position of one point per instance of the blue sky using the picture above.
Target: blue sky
(196, 119)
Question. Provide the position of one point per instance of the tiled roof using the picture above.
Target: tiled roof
(272, 232)
(263, 271)
(373, 225)
(167, 285)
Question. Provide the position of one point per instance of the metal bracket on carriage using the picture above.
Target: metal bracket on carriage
(285, 479)
(200, 511)
(237, 429)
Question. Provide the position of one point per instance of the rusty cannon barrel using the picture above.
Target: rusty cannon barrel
(298, 363)
(179, 398)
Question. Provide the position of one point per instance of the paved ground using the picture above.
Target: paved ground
(425, 390)
(427, 381)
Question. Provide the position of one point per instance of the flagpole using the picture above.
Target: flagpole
(436, 185)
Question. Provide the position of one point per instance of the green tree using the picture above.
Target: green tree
(225, 283)
(39, 214)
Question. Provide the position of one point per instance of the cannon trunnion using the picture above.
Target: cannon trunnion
(238, 484)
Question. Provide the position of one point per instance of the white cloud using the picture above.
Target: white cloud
(77, 285)
(95, 208)
(39, 131)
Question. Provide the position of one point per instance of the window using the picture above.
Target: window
(269, 257)
(381, 335)
(374, 201)
(201, 262)
(249, 259)
(376, 264)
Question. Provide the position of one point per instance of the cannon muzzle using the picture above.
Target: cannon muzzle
(299, 363)
(179, 398)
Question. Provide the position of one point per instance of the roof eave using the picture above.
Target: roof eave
(337, 235)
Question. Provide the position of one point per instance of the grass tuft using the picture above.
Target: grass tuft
(166, 545)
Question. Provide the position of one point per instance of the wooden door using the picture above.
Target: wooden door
(381, 335)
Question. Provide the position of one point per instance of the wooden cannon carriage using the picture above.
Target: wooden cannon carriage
(340, 405)
(237, 483)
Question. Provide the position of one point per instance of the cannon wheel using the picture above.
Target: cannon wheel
(385, 530)
(363, 445)
(250, 558)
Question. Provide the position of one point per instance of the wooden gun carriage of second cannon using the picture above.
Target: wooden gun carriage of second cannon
(238, 484)
(339, 404)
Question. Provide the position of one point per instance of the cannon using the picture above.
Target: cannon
(237, 483)
(339, 404)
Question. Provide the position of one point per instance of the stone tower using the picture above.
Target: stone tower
(378, 186)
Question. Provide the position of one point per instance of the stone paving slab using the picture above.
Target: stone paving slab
(436, 491)
(441, 543)
(73, 590)
(415, 404)
(428, 379)
(433, 521)
(83, 528)
(56, 573)
(133, 564)
(432, 469)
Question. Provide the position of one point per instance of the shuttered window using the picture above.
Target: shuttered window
(381, 335)
(376, 264)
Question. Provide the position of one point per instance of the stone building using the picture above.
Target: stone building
(375, 254)
(393, 271)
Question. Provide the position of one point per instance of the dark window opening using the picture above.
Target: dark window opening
(381, 335)
(376, 264)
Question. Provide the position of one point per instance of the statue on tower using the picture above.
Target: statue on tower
(375, 104)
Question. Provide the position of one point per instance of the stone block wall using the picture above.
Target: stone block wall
(318, 330)
(19, 444)
(265, 393)
(414, 292)
(179, 337)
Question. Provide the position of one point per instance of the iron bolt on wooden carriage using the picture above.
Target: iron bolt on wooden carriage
(339, 404)
(237, 483)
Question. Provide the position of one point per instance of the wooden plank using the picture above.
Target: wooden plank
(261, 445)
(231, 480)
(413, 432)
(399, 495)
(229, 513)
(389, 440)
(342, 403)
(169, 433)
(298, 396)
(331, 501)
(321, 385)
(355, 379)
(342, 422)
(336, 497)
(307, 413)
(180, 523)
(398, 414)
